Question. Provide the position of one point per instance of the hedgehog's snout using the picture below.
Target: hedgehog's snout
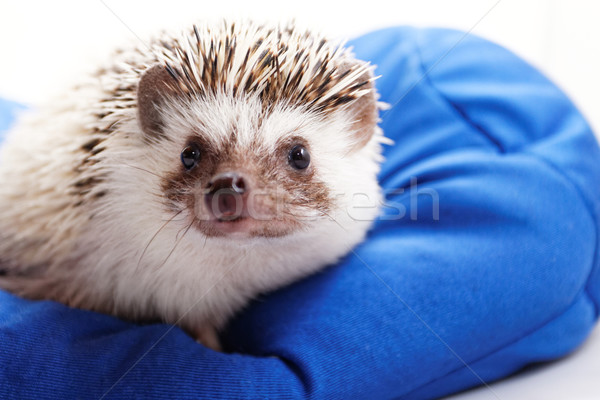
(226, 196)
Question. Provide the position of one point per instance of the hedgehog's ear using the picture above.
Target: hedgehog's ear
(364, 112)
(156, 86)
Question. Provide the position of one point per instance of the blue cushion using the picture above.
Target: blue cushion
(484, 261)
(8, 109)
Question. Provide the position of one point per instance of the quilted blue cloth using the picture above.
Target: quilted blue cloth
(485, 260)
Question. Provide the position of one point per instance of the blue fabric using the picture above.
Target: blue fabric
(506, 276)
(8, 109)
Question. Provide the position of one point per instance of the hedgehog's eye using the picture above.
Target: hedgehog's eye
(190, 156)
(299, 157)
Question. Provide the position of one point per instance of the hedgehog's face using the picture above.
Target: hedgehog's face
(240, 175)
(238, 169)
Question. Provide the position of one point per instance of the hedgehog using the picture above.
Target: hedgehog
(192, 174)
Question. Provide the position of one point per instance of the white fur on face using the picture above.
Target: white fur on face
(180, 265)
(99, 232)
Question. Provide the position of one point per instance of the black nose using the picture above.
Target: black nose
(224, 196)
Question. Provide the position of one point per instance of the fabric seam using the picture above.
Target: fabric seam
(584, 289)
(543, 160)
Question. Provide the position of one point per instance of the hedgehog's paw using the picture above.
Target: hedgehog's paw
(208, 337)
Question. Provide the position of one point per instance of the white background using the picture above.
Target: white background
(46, 44)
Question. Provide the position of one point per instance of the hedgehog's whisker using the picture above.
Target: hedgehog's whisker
(154, 237)
(298, 216)
(334, 220)
(175, 245)
(142, 169)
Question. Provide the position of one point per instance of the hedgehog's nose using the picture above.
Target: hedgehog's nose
(224, 196)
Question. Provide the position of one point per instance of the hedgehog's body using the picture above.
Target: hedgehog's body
(100, 209)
